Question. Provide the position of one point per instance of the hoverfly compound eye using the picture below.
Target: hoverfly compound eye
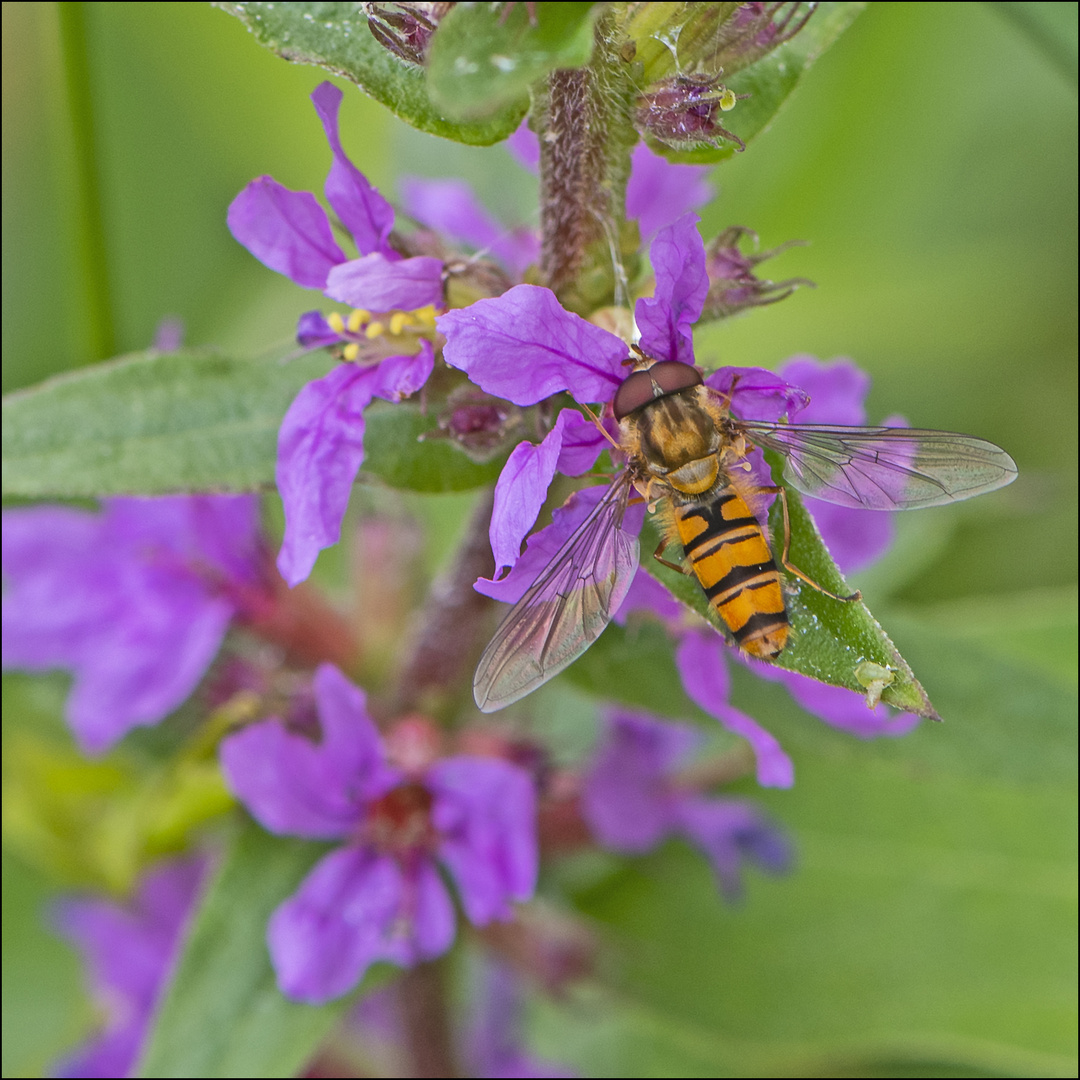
(635, 391)
(672, 376)
(663, 378)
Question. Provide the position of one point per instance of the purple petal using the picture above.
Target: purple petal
(659, 192)
(433, 920)
(543, 545)
(525, 147)
(627, 800)
(666, 318)
(485, 812)
(286, 230)
(376, 283)
(759, 394)
(294, 786)
(729, 831)
(524, 347)
(135, 671)
(57, 585)
(134, 600)
(314, 332)
(341, 920)
(700, 660)
(495, 1044)
(450, 208)
(362, 210)
(399, 377)
(837, 390)
(855, 538)
(320, 451)
(572, 446)
(845, 709)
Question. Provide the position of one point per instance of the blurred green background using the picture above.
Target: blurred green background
(929, 159)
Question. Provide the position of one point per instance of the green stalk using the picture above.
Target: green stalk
(584, 118)
(90, 226)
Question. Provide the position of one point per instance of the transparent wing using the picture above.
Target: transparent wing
(565, 609)
(880, 468)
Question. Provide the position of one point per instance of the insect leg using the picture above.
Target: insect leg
(785, 561)
(658, 555)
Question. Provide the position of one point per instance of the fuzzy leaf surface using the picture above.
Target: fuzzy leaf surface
(153, 423)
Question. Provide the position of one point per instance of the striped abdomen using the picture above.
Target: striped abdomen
(731, 558)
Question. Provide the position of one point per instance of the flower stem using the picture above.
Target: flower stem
(424, 1016)
(584, 119)
(451, 627)
(101, 330)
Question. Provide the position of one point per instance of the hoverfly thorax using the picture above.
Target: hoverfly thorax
(668, 427)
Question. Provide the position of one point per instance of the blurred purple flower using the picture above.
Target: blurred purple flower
(380, 895)
(494, 1041)
(321, 442)
(128, 950)
(134, 600)
(632, 800)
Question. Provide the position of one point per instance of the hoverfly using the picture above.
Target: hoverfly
(685, 450)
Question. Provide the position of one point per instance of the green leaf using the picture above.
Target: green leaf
(336, 37)
(770, 81)
(152, 423)
(832, 641)
(223, 1014)
(482, 60)
(927, 927)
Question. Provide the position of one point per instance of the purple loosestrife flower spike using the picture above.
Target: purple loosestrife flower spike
(321, 441)
(632, 801)
(134, 600)
(379, 896)
(128, 950)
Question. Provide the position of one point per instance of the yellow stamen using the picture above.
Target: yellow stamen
(352, 351)
(357, 319)
(425, 316)
(373, 330)
(336, 322)
(397, 322)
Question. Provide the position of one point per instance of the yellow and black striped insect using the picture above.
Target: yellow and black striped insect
(686, 455)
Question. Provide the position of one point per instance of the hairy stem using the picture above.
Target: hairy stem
(451, 626)
(583, 117)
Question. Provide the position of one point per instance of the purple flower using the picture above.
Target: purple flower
(494, 1043)
(386, 340)
(128, 950)
(134, 600)
(380, 895)
(633, 799)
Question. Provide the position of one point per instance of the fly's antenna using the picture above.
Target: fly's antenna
(600, 427)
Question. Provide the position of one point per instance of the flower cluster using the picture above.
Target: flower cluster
(380, 896)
